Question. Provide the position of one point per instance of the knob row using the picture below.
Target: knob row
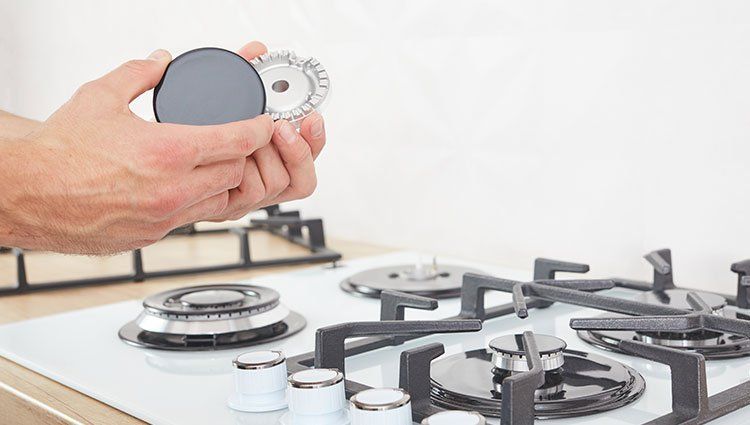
(261, 385)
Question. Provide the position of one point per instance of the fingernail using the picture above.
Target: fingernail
(158, 54)
(317, 128)
(288, 133)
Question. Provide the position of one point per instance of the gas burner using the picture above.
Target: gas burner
(575, 383)
(713, 345)
(211, 317)
(435, 281)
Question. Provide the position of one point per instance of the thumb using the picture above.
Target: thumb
(135, 77)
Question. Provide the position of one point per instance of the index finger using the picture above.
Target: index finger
(207, 144)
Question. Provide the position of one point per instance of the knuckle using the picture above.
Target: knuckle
(237, 172)
(93, 92)
(220, 206)
(253, 195)
(280, 183)
(307, 187)
(86, 89)
(300, 154)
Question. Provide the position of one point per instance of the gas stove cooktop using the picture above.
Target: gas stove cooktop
(509, 345)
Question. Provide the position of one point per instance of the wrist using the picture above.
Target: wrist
(17, 209)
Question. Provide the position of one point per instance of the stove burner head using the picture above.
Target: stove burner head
(713, 345)
(212, 298)
(211, 317)
(433, 280)
(508, 353)
(583, 383)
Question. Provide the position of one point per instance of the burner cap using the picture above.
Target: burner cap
(209, 86)
(509, 353)
(212, 298)
(433, 280)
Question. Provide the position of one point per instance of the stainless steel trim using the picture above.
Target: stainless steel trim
(517, 363)
(321, 384)
(683, 343)
(210, 325)
(404, 400)
(256, 366)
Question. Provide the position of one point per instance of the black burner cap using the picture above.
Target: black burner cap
(513, 344)
(209, 86)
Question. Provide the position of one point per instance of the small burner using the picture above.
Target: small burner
(713, 345)
(509, 355)
(211, 317)
(435, 281)
(576, 383)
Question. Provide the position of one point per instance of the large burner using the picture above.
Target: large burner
(211, 317)
(576, 383)
(433, 280)
(713, 345)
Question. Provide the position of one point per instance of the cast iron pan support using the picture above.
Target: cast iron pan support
(414, 378)
(393, 304)
(742, 268)
(329, 341)
(689, 391)
(701, 318)
(545, 269)
(475, 285)
(691, 404)
(661, 261)
(517, 405)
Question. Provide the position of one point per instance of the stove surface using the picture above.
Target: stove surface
(81, 349)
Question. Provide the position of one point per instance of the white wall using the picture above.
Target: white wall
(589, 130)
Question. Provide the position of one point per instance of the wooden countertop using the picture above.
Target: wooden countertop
(30, 398)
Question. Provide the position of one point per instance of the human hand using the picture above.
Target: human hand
(95, 178)
(282, 170)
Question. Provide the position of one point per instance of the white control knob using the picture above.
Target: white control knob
(259, 382)
(454, 417)
(379, 406)
(316, 392)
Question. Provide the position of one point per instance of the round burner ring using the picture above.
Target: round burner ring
(211, 317)
(435, 281)
(222, 299)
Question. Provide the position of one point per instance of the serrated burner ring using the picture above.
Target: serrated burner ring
(211, 317)
(295, 86)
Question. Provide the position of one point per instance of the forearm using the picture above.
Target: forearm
(12, 126)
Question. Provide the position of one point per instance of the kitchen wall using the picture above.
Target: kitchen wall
(591, 130)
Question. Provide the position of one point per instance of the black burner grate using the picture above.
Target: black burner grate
(288, 225)
(690, 402)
